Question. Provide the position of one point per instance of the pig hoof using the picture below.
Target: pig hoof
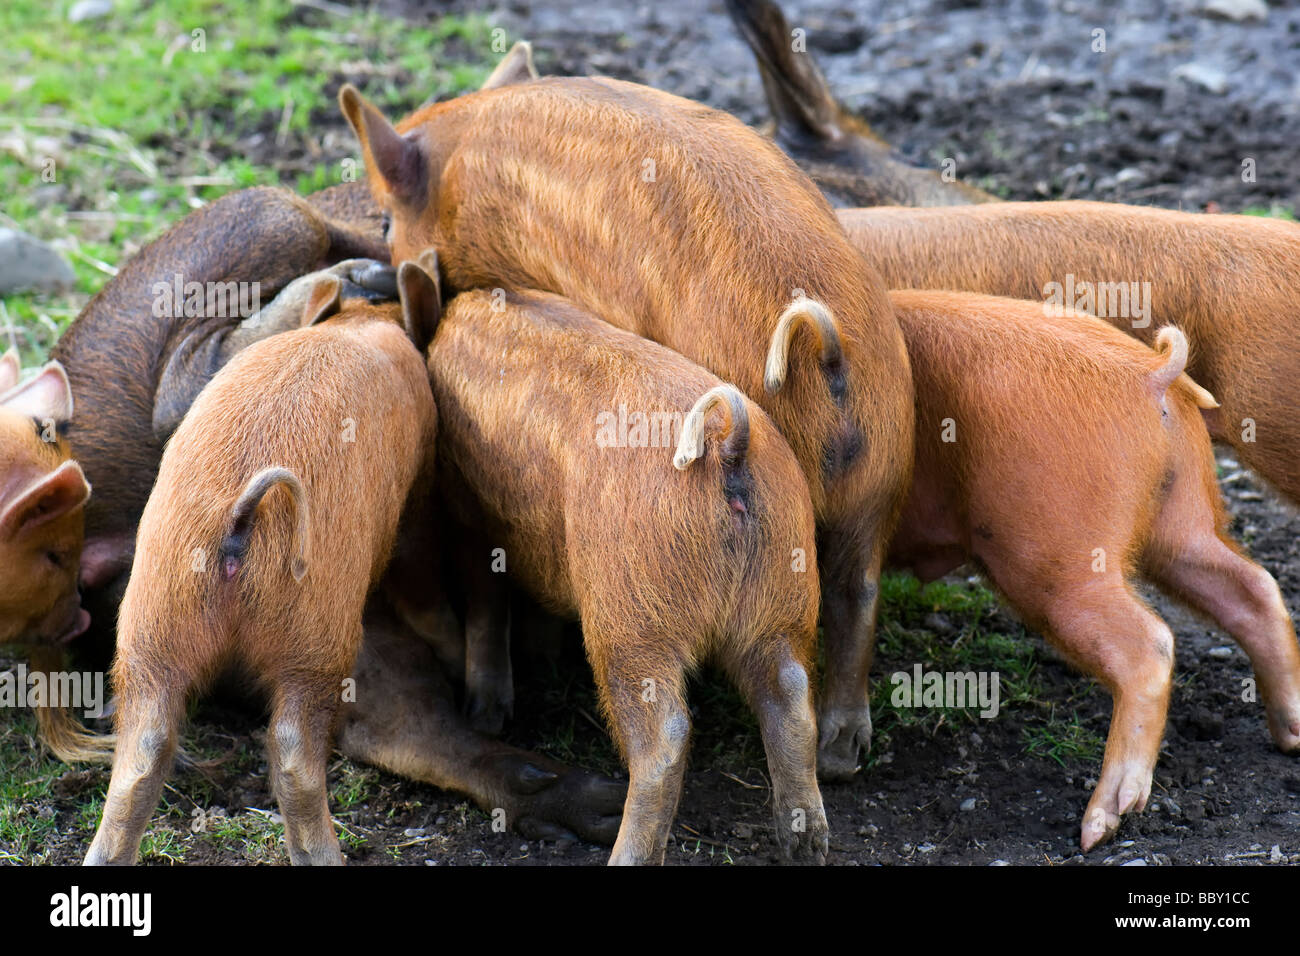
(844, 734)
(549, 801)
(1285, 729)
(809, 846)
(531, 779)
(1110, 801)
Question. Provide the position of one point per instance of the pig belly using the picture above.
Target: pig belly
(930, 541)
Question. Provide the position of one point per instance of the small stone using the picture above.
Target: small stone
(1239, 11)
(999, 863)
(440, 822)
(937, 623)
(413, 832)
(26, 263)
(1138, 862)
(967, 805)
(1275, 854)
(1219, 653)
(84, 10)
(1208, 77)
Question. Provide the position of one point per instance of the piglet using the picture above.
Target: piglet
(42, 515)
(274, 514)
(1067, 461)
(627, 486)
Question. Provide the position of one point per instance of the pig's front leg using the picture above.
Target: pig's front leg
(405, 720)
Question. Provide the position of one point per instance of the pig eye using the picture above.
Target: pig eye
(386, 224)
(54, 558)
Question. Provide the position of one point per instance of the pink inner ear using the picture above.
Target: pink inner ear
(47, 396)
(51, 497)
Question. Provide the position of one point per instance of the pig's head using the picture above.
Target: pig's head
(403, 163)
(41, 515)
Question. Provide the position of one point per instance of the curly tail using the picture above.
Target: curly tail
(1172, 345)
(735, 435)
(244, 515)
(814, 314)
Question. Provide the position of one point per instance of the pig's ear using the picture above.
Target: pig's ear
(47, 397)
(394, 162)
(417, 286)
(53, 496)
(515, 67)
(322, 301)
(10, 370)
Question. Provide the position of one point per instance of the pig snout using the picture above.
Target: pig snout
(66, 622)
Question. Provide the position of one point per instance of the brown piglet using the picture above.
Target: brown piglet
(42, 515)
(678, 223)
(1227, 281)
(1066, 461)
(557, 431)
(41, 497)
(273, 517)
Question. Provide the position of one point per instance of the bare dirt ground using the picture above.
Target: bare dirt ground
(1012, 90)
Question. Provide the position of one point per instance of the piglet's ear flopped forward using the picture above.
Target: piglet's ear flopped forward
(46, 499)
(395, 164)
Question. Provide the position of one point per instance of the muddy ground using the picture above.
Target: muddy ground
(1012, 90)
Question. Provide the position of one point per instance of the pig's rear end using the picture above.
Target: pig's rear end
(564, 430)
(280, 594)
(1066, 459)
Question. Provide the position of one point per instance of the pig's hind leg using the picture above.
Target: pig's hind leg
(1105, 629)
(778, 690)
(1199, 566)
(304, 705)
(150, 705)
(850, 589)
(641, 680)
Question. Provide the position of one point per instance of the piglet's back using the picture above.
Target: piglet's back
(565, 428)
(345, 406)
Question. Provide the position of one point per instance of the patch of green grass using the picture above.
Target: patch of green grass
(1275, 211)
(1063, 739)
(113, 129)
(254, 836)
(162, 845)
(353, 785)
(27, 775)
(946, 627)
